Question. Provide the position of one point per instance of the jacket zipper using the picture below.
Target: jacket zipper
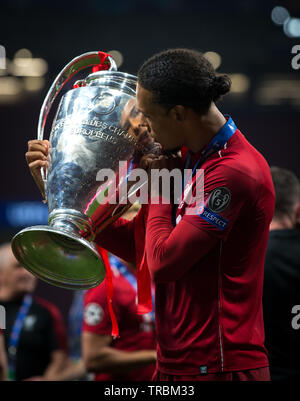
(219, 307)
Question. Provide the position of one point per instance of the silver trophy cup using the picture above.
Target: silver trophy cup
(88, 134)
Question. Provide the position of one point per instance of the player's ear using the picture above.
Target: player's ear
(178, 113)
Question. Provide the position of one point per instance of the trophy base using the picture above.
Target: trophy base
(60, 258)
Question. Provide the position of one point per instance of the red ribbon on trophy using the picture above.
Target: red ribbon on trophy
(104, 62)
(109, 291)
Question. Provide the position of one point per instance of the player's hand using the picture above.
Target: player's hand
(37, 157)
(152, 162)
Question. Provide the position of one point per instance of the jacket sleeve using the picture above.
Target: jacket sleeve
(118, 239)
(171, 252)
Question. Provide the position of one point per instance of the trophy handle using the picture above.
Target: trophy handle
(79, 63)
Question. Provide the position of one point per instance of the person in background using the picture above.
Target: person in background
(75, 369)
(35, 337)
(3, 359)
(131, 357)
(281, 296)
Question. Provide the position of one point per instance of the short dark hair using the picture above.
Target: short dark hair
(287, 191)
(183, 77)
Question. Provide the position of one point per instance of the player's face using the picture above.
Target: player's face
(16, 279)
(165, 129)
(135, 124)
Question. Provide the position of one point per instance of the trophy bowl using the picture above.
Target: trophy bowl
(88, 135)
(58, 257)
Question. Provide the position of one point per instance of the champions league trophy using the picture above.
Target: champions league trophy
(88, 134)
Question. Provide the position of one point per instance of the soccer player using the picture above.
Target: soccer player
(132, 356)
(208, 266)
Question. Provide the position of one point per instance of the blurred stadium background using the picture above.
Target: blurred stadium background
(251, 40)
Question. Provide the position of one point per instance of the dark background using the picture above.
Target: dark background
(242, 32)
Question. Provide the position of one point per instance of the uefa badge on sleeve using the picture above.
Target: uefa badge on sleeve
(219, 199)
(93, 314)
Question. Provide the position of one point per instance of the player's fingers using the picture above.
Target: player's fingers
(42, 148)
(36, 155)
(146, 160)
(41, 142)
(159, 162)
(37, 164)
(36, 144)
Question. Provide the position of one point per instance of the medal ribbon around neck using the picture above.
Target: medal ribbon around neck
(217, 143)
